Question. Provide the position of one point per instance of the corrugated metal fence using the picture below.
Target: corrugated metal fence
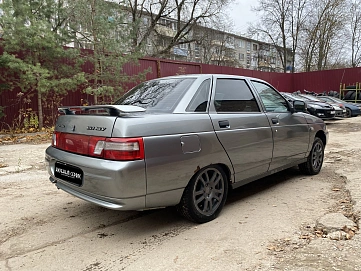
(16, 104)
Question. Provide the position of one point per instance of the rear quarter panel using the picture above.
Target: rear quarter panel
(170, 164)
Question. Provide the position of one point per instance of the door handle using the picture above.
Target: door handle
(274, 120)
(223, 124)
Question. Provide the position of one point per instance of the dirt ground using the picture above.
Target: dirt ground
(267, 225)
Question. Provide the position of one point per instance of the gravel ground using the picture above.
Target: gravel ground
(266, 225)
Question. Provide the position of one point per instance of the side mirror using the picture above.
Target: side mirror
(299, 106)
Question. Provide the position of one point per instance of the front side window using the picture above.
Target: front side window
(161, 95)
(271, 99)
(234, 95)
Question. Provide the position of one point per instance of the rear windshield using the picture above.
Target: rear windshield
(160, 95)
(300, 98)
(310, 98)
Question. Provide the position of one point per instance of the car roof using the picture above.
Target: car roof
(206, 75)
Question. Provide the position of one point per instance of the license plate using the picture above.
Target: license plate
(332, 112)
(69, 173)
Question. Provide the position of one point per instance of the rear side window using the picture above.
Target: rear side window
(161, 95)
(199, 101)
(234, 95)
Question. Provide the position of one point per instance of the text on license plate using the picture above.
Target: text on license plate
(333, 112)
(68, 173)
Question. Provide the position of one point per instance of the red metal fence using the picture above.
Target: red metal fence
(15, 103)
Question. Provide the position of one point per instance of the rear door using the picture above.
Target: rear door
(241, 127)
(291, 132)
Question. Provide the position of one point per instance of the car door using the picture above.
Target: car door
(291, 134)
(241, 127)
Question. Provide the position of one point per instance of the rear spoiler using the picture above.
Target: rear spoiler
(109, 110)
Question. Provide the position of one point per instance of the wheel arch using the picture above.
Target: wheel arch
(321, 135)
(224, 168)
(204, 209)
(226, 171)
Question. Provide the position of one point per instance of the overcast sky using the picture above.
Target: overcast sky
(242, 15)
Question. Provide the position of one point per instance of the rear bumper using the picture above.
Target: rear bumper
(137, 203)
(111, 184)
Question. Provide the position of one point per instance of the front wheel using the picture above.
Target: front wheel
(348, 113)
(314, 161)
(205, 195)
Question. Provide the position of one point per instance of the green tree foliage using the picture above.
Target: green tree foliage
(34, 33)
(104, 27)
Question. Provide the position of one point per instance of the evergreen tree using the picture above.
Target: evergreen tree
(104, 27)
(34, 33)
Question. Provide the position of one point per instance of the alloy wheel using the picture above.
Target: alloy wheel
(208, 191)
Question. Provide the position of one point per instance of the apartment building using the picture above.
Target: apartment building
(204, 45)
(217, 47)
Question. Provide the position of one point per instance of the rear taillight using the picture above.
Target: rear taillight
(54, 139)
(121, 149)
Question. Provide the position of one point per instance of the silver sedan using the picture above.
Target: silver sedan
(182, 141)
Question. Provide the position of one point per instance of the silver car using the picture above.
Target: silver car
(182, 141)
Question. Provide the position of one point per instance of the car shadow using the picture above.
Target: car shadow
(104, 222)
(263, 184)
(333, 121)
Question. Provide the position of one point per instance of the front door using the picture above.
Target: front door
(290, 130)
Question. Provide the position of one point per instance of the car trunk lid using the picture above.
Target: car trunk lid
(87, 130)
(92, 120)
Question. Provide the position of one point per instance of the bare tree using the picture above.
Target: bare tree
(275, 25)
(321, 34)
(355, 29)
(147, 15)
(296, 21)
(217, 43)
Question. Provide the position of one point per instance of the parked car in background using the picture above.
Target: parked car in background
(182, 141)
(319, 109)
(352, 109)
(340, 109)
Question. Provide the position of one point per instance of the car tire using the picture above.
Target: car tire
(348, 95)
(333, 93)
(205, 195)
(314, 161)
(353, 96)
(348, 113)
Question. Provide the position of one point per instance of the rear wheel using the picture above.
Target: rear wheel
(205, 195)
(314, 161)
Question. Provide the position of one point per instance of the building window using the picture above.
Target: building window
(168, 23)
(197, 51)
(183, 46)
(241, 56)
(255, 47)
